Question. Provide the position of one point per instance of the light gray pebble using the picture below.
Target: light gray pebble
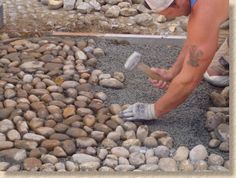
(123, 161)
(181, 153)
(162, 151)
(124, 168)
(152, 160)
(197, 153)
(4, 166)
(136, 159)
(47, 158)
(27, 78)
(120, 152)
(149, 167)
(167, 164)
(14, 168)
(60, 166)
(70, 166)
(13, 135)
(186, 166)
(106, 169)
(215, 160)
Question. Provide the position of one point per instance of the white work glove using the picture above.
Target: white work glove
(139, 111)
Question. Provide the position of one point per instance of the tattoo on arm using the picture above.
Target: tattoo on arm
(194, 56)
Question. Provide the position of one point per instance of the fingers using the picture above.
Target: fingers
(159, 84)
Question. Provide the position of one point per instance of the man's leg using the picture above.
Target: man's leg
(218, 71)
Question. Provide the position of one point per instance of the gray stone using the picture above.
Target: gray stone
(200, 165)
(85, 142)
(222, 132)
(47, 158)
(131, 142)
(167, 164)
(150, 142)
(149, 167)
(198, 153)
(127, 12)
(6, 145)
(110, 161)
(136, 159)
(144, 19)
(181, 153)
(124, 168)
(142, 132)
(6, 125)
(13, 135)
(83, 158)
(89, 166)
(70, 166)
(4, 166)
(120, 152)
(32, 65)
(69, 4)
(113, 12)
(102, 153)
(5, 113)
(215, 160)
(33, 137)
(162, 151)
(218, 168)
(15, 154)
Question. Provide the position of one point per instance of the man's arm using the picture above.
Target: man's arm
(200, 49)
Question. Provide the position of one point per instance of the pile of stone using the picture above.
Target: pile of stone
(51, 120)
(109, 8)
(217, 122)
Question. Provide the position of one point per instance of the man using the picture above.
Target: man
(205, 18)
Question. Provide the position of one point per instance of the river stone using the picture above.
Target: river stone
(218, 100)
(111, 83)
(97, 135)
(33, 137)
(50, 144)
(127, 12)
(222, 132)
(115, 109)
(215, 160)
(213, 120)
(69, 4)
(2, 137)
(6, 145)
(123, 161)
(89, 120)
(186, 166)
(166, 141)
(152, 160)
(162, 151)
(76, 132)
(224, 146)
(131, 142)
(149, 167)
(5, 113)
(227, 164)
(6, 125)
(4, 166)
(213, 143)
(71, 166)
(85, 142)
(124, 168)
(32, 65)
(181, 153)
(102, 153)
(84, 7)
(32, 164)
(150, 142)
(102, 128)
(84, 158)
(47, 158)
(114, 136)
(198, 153)
(14, 168)
(69, 111)
(120, 152)
(200, 165)
(69, 147)
(45, 131)
(113, 12)
(167, 164)
(218, 168)
(13, 135)
(15, 154)
(110, 161)
(89, 166)
(142, 132)
(26, 144)
(59, 152)
(144, 19)
(136, 159)
(108, 143)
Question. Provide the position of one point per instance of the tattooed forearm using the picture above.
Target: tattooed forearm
(194, 56)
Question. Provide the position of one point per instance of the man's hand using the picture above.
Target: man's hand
(139, 111)
(166, 74)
